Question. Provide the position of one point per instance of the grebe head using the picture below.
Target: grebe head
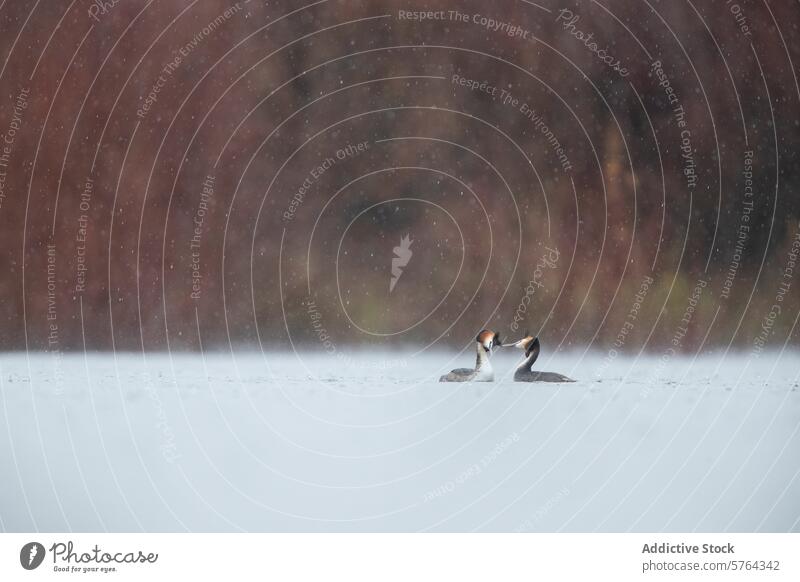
(527, 343)
(489, 339)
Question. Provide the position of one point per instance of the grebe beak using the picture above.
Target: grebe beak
(516, 344)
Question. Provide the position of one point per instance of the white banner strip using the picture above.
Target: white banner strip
(400, 557)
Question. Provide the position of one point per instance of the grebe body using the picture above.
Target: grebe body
(482, 372)
(523, 373)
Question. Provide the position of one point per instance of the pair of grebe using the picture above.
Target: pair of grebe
(486, 341)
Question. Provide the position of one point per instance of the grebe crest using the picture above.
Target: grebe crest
(488, 339)
(528, 343)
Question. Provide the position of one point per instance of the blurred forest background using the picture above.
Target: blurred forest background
(187, 174)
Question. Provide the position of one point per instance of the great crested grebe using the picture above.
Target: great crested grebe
(523, 373)
(486, 340)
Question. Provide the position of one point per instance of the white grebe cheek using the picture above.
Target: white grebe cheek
(486, 338)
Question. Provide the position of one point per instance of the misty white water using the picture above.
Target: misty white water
(370, 441)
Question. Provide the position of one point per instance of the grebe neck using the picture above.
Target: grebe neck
(527, 363)
(483, 364)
